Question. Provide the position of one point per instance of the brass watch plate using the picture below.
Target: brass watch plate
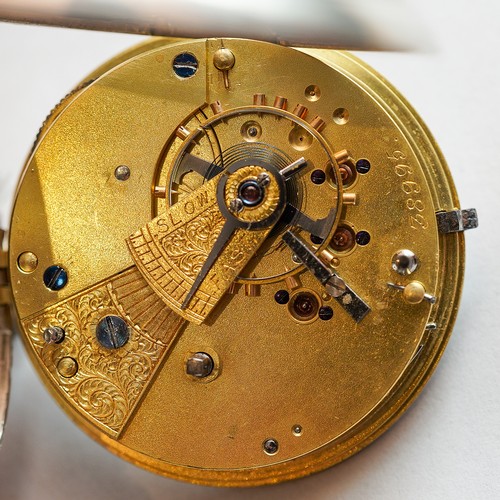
(128, 190)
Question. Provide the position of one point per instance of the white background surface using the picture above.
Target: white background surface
(448, 443)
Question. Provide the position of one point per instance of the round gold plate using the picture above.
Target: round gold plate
(298, 381)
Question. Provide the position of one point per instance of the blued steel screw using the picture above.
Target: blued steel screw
(363, 166)
(282, 297)
(325, 313)
(112, 332)
(318, 177)
(185, 65)
(55, 278)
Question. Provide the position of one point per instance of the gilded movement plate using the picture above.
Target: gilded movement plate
(235, 263)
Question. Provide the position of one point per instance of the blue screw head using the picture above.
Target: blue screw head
(282, 297)
(185, 65)
(318, 177)
(55, 278)
(112, 332)
(363, 166)
(325, 313)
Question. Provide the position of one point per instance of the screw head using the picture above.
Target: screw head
(363, 238)
(185, 65)
(199, 365)
(325, 313)
(363, 166)
(54, 335)
(55, 278)
(270, 446)
(122, 173)
(112, 332)
(335, 287)
(263, 179)
(318, 177)
(282, 297)
(404, 262)
(236, 205)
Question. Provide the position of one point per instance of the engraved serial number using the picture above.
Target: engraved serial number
(411, 188)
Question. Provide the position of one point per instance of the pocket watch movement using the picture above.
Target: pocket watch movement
(235, 263)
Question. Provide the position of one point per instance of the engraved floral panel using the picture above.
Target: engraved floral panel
(108, 383)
